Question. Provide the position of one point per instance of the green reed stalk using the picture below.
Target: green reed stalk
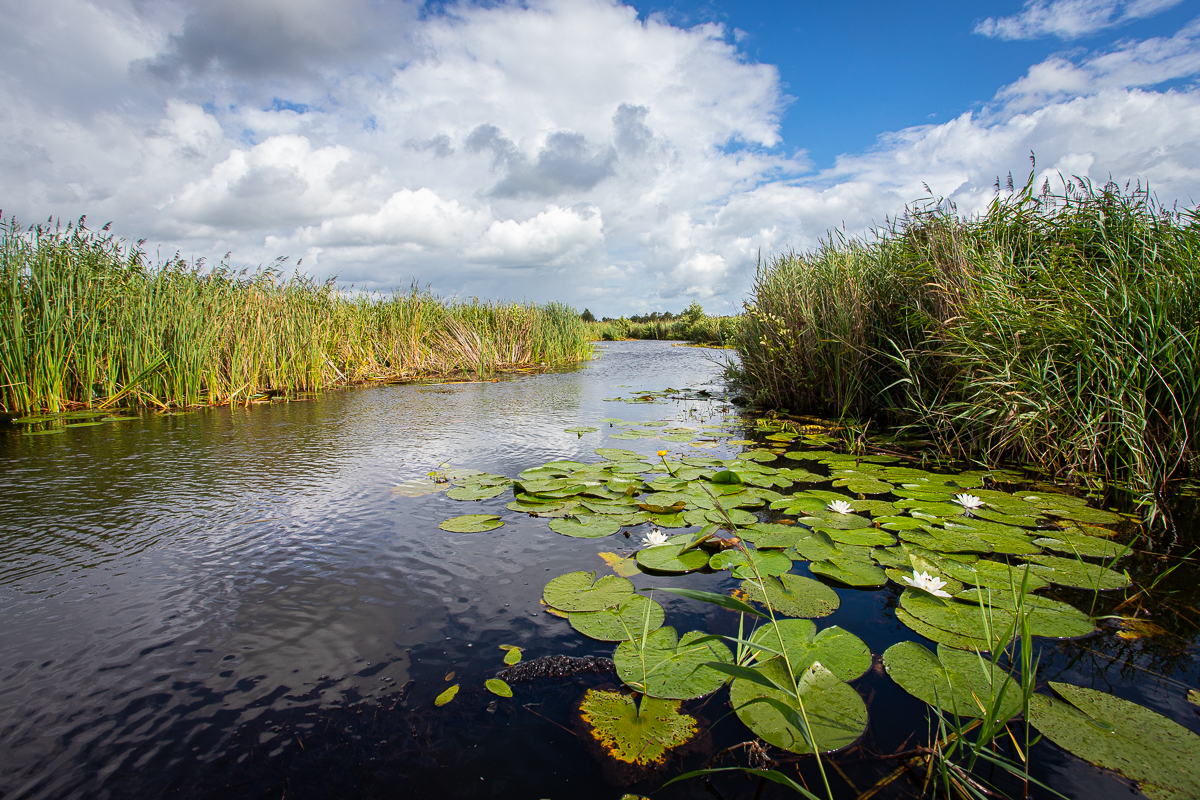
(86, 321)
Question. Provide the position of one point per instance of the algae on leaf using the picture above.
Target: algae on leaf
(1161, 755)
(632, 734)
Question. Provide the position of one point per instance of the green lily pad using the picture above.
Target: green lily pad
(1004, 539)
(815, 546)
(1091, 516)
(1047, 617)
(1161, 755)
(1073, 543)
(835, 713)
(946, 541)
(900, 523)
(955, 623)
(738, 516)
(672, 558)
(956, 681)
(662, 666)
(862, 537)
(580, 591)
(841, 652)
(419, 487)
(768, 562)
(863, 484)
(582, 429)
(471, 523)
(991, 574)
(850, 570)
(836, 521)
(1077, 573)
(795, 596)
(498, 687)
(636, 735)
(628, 619)
(591, 528)
(512, 654)
(475, 492)
(616, 454)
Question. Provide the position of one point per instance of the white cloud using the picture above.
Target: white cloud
(555, 150)
(1070, 19)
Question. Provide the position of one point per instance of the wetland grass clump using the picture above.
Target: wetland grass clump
(1058, 330)
(85, 321)
(693, 325)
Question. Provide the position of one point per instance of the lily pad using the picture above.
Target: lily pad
(671, 558)
(862, 484)
(629, 619)
(1091, 516)
(580, 591)
(852, 571)
(1047, 617)
(1077, 573)
(956, 681)
(471, 523)
(512, 654)
(958, 624)
(1161, 755)
(593, 528)
(419, 487)
(795, 596)
(863, 537)
(475, 492)
(616, 454)
(662, 666)
(632, 734)
(582, 429)
(768, 562)
(625, 566)
(991, 574)
(1073, 543)
(498, 687)
(841, 652)
(835, 713)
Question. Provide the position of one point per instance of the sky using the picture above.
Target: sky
(623, 158)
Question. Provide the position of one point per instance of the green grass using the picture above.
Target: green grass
(1061, 331)
(86, 321)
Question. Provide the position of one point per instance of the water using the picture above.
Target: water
(234, 603)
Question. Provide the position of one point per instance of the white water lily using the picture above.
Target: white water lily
(968, 501)
(840, 507)
(927, 583)
(654, 538)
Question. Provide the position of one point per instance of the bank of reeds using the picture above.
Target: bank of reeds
(1058, 330)
(86, 321)
(714, 331)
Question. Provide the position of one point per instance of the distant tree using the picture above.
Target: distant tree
(587, 316)
(693, 314)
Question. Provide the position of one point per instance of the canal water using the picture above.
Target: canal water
(236, 603)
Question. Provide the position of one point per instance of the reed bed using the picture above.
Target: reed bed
(702, 329)
(85, 321)
(1057, 330)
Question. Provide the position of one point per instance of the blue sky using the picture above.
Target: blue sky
(623, 158)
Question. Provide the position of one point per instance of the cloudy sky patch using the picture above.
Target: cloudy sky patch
(623, 158)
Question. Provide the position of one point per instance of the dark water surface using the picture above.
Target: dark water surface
(234, 603)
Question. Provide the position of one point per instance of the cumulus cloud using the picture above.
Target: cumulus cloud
(1069, 19)
(557, 149)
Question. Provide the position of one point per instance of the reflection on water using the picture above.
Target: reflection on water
(234, 602)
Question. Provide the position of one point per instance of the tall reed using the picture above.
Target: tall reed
(85, 320)
(1061, 330)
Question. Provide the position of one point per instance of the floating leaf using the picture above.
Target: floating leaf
(625, 566)
(615, 454)
(794, 596)
(991, 574)
(1077, 573)
(1092, 516)
(1161, 755)
(1073, 543)
(850, 570)
(513, 656)
(835, 713)
(475, 492)
(1047, 617)
(582, 429)
(446, 696)
(662, 666)
(862, 484)
(636, 735)
(958, 624)
(498, 687)
(418, 487)
(671, 558)
(592, 528)
(634, 615)
(956, 681)
(769, 562)
(471, 523)
(841, 652)
(864, 537)
(580, 591)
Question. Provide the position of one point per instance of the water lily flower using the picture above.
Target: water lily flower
(968, 501)
(663, 452)
(840, 507)
(654, 538)
(927, 583)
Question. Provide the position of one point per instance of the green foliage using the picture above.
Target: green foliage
(86, 321)
(1057, 330)
(637, 735)
(693, 325)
